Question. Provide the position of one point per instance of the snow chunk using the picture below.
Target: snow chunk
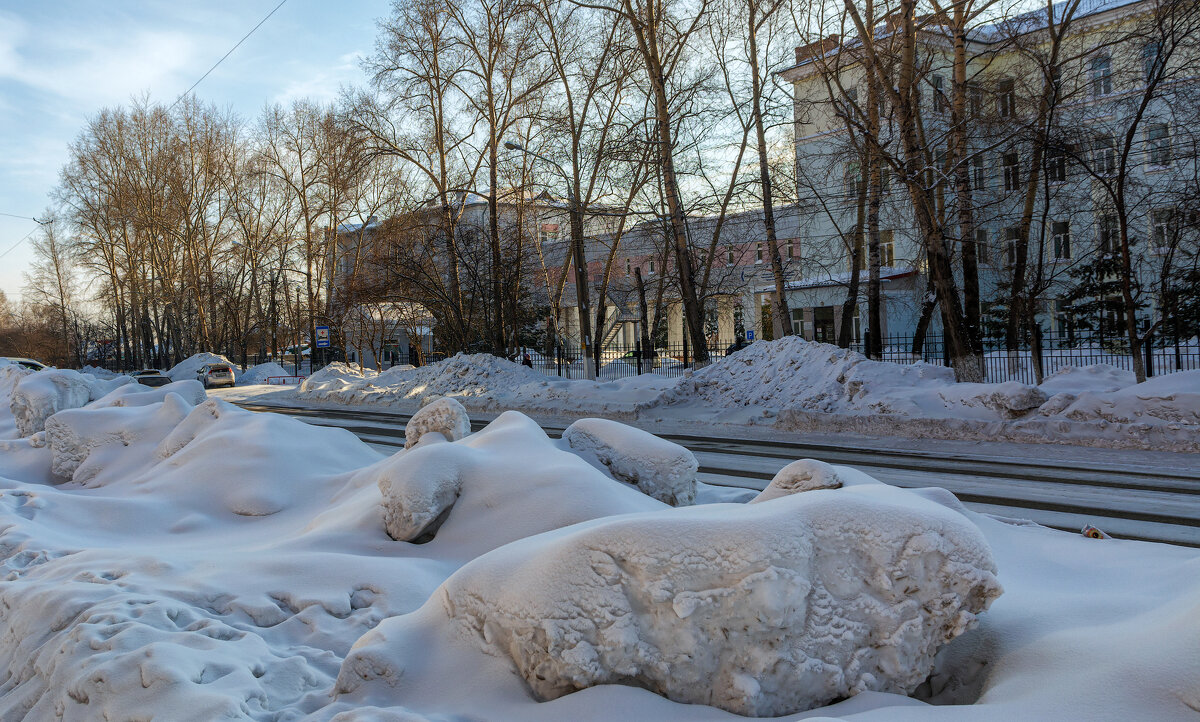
(187, 368)
(136, 394)
(418, 496)
(39, 395)
(445, 416)
(761, 609)
(798, 476)
(657, 467)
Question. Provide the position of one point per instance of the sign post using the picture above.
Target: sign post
(322, 337)
(750, 334)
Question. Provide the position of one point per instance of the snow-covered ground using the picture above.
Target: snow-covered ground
(172, 559)
(794, 385)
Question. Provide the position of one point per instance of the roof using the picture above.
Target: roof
(843, 279)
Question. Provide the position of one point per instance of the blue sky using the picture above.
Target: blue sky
(62, 60)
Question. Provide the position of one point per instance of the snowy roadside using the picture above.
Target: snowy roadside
(796, 386)
(246, 565)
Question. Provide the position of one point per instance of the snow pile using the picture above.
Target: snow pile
(260, 373)
(481, 382)
(761, 610)
(99, 372)
(486, 490)
(37, 396)
(187, 368)
(657, 467)
(444, 416)
(1170, 399)
(1096, 378)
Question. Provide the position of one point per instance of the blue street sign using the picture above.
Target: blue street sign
(322, 337)
(749, 335)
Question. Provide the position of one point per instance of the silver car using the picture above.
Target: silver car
(215, 375)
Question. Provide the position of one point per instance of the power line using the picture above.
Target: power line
(24, 218)
(13, 246)
(226, 55)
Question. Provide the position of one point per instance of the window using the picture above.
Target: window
(1006, 99)
(853, 177)
(982, 254)
(1106, 156)
(849, 106)
(652, 267)
(1060, 310)
(1056, 165)
(1150, 59)
(887, 249)
(1106, 233)
(1159, 139)
(791, 244)
(1060, 232)
(1102, 76)
(1162, 230)
(729, 257)
(939, 94)
(758, 252)
(1012, 236)
(975, 100)
(547, 233)
(628, 267)
(797, 321)
(978, 173)
(1012, 171)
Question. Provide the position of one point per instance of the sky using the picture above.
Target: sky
(61, 61)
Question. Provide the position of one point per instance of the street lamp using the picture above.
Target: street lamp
(581, 282)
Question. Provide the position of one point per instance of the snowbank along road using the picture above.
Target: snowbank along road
(1126, 501)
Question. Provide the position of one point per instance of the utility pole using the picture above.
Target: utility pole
(575, 213)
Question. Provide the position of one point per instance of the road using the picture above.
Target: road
(1126, 501)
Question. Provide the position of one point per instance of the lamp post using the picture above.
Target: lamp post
(575, 212)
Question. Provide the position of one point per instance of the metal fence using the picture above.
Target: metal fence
(1161, 356)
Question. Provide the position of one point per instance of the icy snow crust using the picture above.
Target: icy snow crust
(797, 385)
(168, 559)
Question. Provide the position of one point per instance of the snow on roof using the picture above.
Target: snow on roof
(842, 279)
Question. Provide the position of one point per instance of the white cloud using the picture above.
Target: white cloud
(322, 85)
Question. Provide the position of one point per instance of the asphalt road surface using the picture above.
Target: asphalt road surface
(1126, 501)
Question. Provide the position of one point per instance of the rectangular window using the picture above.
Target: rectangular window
(797, 321)
(1012, 171)
(1106, 233)
(1102, 76)
(975, 100)
(887, 249)
(1060, 232)
(1150, 59)
(1158, 137)
(729, 257)
(1012, 235)
(1106, 156)
(791, 248)
(939, 94)
(652, 267)
(849, 104)
(982, 254)
(758, 252)
(1162, 230)
(628, 267)
(978, 173)
(1056, 165)
(1006, 98)
(885, 177)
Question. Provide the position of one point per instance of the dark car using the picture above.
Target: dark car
(151, 377)
(736, 346)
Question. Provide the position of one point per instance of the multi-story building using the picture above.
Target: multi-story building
(1123, 105)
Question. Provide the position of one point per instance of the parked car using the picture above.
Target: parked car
(23, 362)
(151, 377)
(215, 375)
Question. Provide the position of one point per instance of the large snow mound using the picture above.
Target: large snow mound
(657, 467)
(260, 373)
(37, 396)
(761, 610)
(1173, 398)
(187, 368)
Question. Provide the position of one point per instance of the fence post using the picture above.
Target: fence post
(945, 351)
(1149, 349)
(637, 351)
(1039, 355)
(685, 349)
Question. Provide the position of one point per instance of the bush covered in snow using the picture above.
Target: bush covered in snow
(657, 467)
(444, 416)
